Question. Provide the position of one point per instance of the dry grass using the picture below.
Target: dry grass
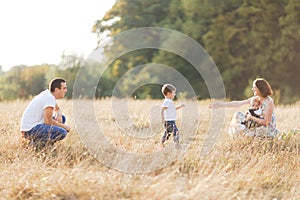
(240, 168)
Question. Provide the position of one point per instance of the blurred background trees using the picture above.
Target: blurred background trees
(245, 38)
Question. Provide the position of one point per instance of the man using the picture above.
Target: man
(42, 121)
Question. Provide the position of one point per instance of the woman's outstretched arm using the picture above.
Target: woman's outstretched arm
(217, 104)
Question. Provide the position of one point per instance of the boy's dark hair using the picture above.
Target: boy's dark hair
(167, 88)
(264, 87)
(55, 83)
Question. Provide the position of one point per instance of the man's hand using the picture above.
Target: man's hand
(49, 120)
(67, 128)
(58, 114)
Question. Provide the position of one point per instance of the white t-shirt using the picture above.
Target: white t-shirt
(34, 112)
(170, 112)
(258, 111)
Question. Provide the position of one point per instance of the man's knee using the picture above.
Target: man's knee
(58, 133)
(63, 134)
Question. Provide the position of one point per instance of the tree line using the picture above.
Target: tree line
(245, 38)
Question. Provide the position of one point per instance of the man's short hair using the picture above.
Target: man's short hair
(167, 88)
(55, 83)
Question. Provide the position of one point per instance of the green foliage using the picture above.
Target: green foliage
(69, 66)
(246, 39)
(131, 14)
(22, 82)
(1, 70)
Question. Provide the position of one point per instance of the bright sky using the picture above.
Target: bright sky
(34, 32)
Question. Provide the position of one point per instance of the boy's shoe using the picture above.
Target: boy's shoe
(177, 145)
(164, 139)
(168, 136)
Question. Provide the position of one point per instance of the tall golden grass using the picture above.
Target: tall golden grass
(236, 168)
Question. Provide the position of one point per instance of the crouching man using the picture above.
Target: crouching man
(42, 121)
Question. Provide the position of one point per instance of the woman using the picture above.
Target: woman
(262, 89)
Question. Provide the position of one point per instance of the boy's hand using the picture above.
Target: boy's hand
(181, 106)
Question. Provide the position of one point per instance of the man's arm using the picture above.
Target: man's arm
(58, 114)
(48, 112)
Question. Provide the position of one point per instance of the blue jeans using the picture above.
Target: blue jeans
(43, 133)
(170, 127)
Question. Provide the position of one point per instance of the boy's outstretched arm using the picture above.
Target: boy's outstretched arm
(181, 106)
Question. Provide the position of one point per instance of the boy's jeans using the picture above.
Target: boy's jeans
(170, 127)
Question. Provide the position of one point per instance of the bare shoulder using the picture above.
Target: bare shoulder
(269, 102)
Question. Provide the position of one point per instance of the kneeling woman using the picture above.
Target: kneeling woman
(267, 122)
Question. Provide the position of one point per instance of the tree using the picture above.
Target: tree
(1, 70)
(287, 53)
(23, 82)
(126, 15)
(243, 43)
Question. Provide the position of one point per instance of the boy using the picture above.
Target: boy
(168, 114)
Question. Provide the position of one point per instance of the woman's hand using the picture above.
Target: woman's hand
(249, 117)
(214, 105)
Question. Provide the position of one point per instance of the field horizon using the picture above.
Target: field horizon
(234, 168)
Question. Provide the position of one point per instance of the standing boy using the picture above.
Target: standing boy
(168, 114)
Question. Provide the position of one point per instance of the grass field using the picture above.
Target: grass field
(236, 168)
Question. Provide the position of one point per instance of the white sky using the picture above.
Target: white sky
(34, 32)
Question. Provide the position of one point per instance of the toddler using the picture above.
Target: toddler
(168, 114)
(255, 111)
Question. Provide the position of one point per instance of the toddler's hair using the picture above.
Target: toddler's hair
(255, 100)
(166, 88)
